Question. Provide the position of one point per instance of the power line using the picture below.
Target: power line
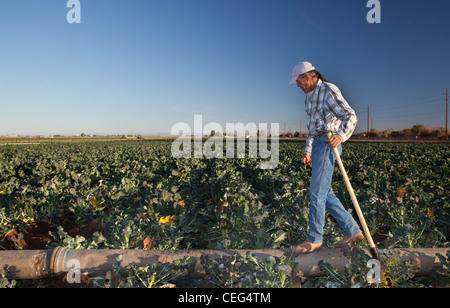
(408, 100)
(422, 102)
(408, 115)
(380, 111)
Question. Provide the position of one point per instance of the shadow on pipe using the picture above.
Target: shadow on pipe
(35, 264)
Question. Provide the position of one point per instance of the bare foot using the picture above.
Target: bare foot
(349, 240)
(306, 247)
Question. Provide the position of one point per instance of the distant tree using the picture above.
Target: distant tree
(261, 133)
(374, 133)
(417, 130)
(407, 132)
(386, 133)
(439, 133)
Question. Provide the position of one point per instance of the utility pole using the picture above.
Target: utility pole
(446, 115)
(368, 117)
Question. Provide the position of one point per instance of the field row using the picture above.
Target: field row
(134, 190)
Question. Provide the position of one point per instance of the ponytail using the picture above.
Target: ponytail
(315, 73)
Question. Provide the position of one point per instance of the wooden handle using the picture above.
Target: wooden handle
(354, 200)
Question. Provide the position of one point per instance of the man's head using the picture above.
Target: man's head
(305, 75)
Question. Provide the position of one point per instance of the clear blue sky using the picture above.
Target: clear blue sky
(140, 66)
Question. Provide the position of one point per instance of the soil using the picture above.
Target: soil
(36, 235)
(60, 281)
(87, 230)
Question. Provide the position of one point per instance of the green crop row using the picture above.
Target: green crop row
(135, 195)
(135, 190)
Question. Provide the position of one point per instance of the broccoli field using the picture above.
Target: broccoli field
(133, 194)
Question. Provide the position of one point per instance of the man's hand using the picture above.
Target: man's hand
(334, 142)
(307, 159)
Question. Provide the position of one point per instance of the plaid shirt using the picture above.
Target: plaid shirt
(328, 111)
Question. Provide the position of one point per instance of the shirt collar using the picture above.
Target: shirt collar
(316, 90)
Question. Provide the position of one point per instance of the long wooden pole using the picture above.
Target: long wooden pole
(366, 230)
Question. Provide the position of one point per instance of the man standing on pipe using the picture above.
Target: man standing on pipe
(328, 111)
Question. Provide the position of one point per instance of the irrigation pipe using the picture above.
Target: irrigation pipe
(35, 264)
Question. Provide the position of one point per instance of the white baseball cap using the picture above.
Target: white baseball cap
(299, 69)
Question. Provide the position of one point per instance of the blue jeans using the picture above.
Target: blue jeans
(321, 196)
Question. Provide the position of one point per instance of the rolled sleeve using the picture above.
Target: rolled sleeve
(339, 107)
(308, 147)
